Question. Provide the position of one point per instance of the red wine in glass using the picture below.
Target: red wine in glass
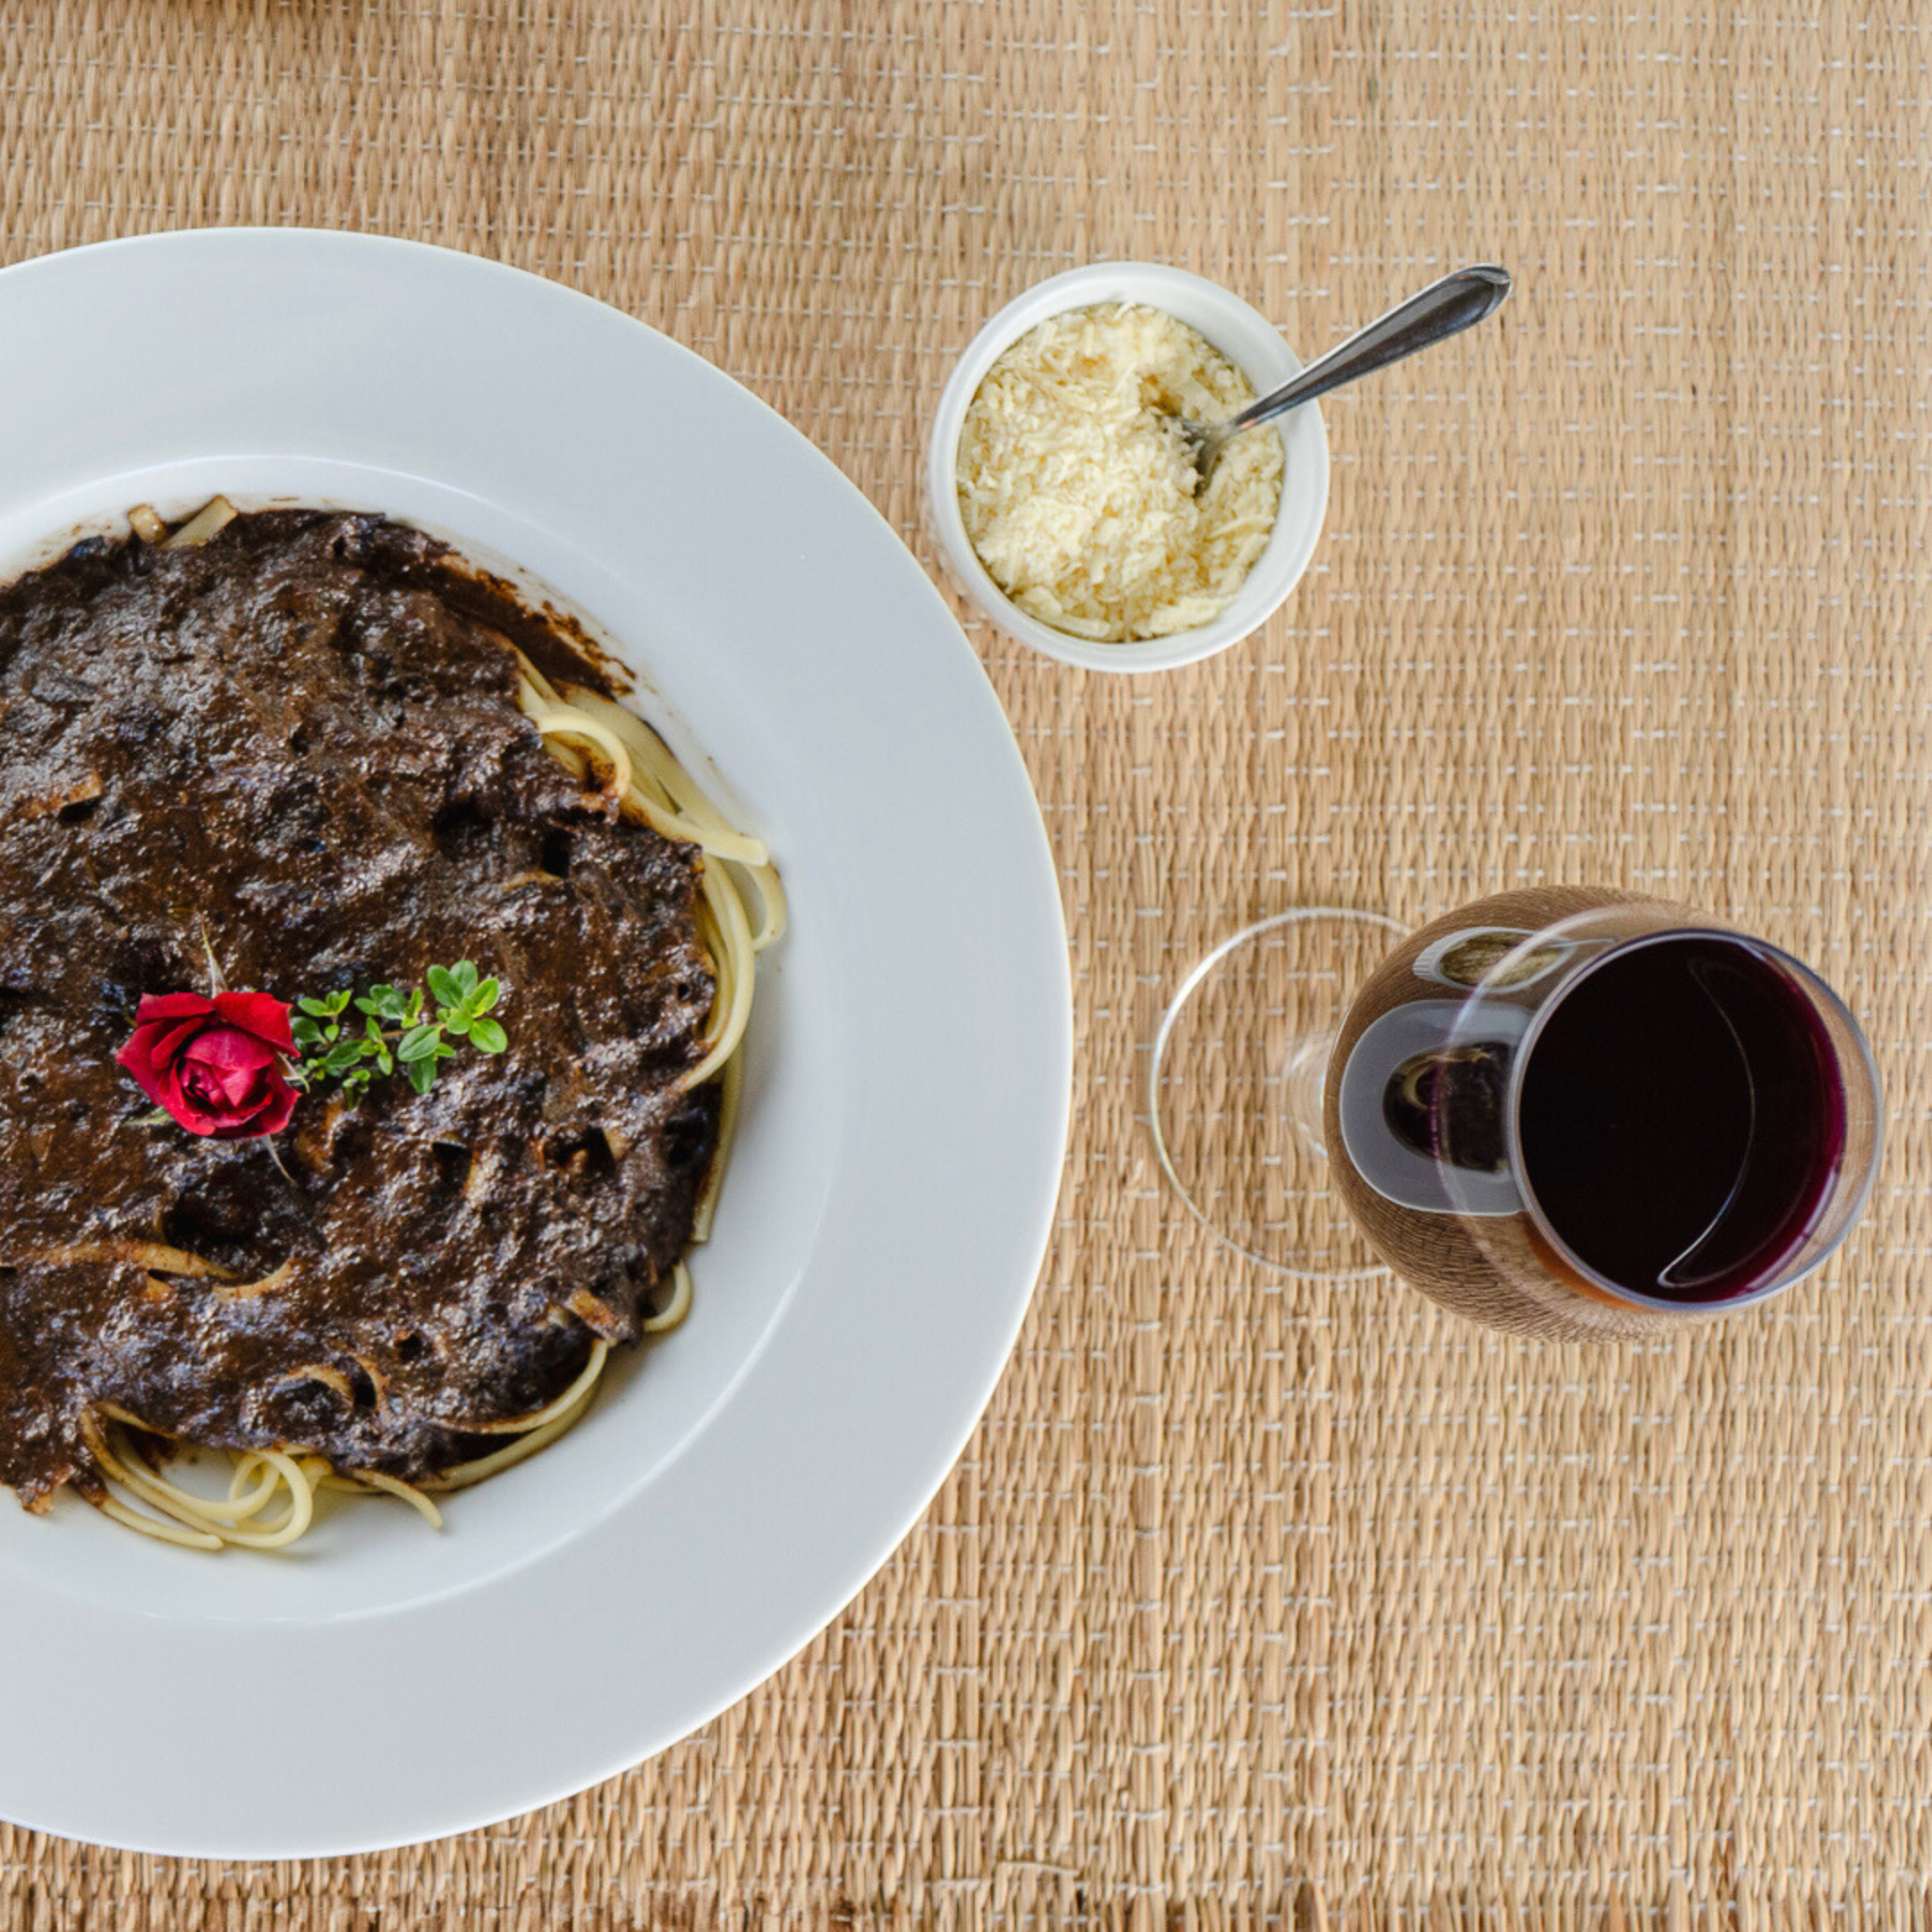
(1681, 1118)
(1562, 1111)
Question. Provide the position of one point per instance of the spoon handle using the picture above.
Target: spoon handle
(1444, 308)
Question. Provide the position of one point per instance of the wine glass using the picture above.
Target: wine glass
(1562, 1111)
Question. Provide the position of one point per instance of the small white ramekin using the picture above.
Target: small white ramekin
(1251, 342)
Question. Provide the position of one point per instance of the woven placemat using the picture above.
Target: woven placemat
(1253, 1603)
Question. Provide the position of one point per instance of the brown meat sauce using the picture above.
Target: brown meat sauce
(303, 737)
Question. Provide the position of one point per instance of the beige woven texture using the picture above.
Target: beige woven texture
(1253, 1603)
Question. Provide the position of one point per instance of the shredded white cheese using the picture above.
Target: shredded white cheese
(1078, 493)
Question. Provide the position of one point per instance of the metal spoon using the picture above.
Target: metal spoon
(1444, 308)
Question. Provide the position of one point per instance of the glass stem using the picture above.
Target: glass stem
(1304, 1080)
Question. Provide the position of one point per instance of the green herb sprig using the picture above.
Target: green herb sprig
(398, 1029)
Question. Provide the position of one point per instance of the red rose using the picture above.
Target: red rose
(215, 1064)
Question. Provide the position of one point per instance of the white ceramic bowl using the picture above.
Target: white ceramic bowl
(1250, 341)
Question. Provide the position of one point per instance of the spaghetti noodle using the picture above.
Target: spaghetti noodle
(739, 911)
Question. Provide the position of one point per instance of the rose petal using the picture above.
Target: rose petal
(261, 1014)
(278, 1102)
(228, 1046)
(201, 1089)
(174, 1006)
(138, 1060)
(152, 1049)
(164, 1042)
(223, 1086)
(190, 1109)
(241, 1087)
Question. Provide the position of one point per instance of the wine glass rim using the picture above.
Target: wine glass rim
(1813, 981)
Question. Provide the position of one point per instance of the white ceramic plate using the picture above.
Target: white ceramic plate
(889, 1201)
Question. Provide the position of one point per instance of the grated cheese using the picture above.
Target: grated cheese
(1078, 493)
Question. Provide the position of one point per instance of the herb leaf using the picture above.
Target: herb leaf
(382, 1002)
(486, 1036)
(418, 1044)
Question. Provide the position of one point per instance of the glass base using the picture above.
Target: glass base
(1235, 1087)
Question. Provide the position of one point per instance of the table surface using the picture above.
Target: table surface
(1254, 1602)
